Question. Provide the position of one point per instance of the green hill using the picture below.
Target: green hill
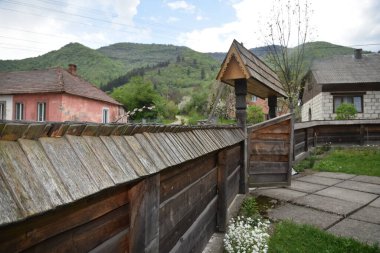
(93, 66)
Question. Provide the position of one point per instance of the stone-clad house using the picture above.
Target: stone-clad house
(54, 94)
(343, 79)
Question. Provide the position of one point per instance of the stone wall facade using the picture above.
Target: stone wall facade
(322, 107)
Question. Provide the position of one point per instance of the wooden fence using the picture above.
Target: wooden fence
(174, 208)
(270, 152)
(333, 132)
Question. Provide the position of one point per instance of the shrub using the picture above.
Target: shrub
(255, 114)
(345, 111)
(247, 235)
(249, 207)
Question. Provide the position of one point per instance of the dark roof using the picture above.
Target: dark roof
(46, 165)
(347, 69)
(50, 80)
(255, 68)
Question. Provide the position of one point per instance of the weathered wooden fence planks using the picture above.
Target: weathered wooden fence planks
(334, 132)
(92, 189)
(270, 152)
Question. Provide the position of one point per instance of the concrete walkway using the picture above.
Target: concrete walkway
(343, 204)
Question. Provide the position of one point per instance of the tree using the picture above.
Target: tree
(203, 74)
(255, 114)
(345, 111)
(288, 25)
(137, 93)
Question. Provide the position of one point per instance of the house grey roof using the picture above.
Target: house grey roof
(54, 80)
(44, 166)
(347, 69)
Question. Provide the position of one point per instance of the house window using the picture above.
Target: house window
(19, 113)
(356, 100)
(254, 98)
(2, 110)
(105, 115)
(41, 112)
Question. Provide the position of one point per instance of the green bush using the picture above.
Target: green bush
(255, 114)
(345, 111)
(249, 207)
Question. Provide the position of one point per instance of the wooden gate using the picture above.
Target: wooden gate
(270, 152)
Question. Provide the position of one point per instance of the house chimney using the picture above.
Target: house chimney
(72, 69)
(358, 53)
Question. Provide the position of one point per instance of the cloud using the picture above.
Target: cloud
(354, 22)
(172, 19)
(181, 5)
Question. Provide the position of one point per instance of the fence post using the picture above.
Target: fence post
(306, 148)
(144, 200)
(222, 191)
(361, 135)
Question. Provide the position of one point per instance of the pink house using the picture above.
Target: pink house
(54, 94)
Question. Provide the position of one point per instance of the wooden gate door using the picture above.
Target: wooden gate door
(270, 152)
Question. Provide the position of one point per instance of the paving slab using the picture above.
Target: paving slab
(375, 203)
(369, 214)
(215, 244)
(348, 195)
(319, 180)
(343, 176)
(305, 186)
(279, 193)
(328, 204)
(360, 186)
(359, 230)
(367, 179)
(303, 215)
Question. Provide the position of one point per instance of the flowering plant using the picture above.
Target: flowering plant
(247, 235)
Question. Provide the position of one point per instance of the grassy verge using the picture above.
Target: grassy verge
(293, 238)
(360, 161)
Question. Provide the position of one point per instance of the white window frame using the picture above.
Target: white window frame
(19, 111)
(105, 115)
(41, 111)
(3, 110)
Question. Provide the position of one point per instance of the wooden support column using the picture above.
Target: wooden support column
(306, 148)
(241, 117)
(221, 224)
(272, 103)
(145, 202)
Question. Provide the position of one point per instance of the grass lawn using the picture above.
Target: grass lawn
(289, 237)
(360, 161)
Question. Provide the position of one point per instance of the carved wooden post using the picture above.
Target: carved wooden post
(241, 117)
(272, 103)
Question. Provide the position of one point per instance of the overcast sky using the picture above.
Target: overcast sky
(29, 28)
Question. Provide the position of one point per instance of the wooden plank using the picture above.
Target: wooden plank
(274, 121)
(9, 211)
(75, 129)
(163, 155)
(129, 155)
(270, 147)
(233, 160)
(222, 191)
(233, 181)
(168, 240)
(269, 158)
(204, 141)
(140, 153)
(197, 236)
(174, 147)
(89, 160)
(18, 175)
(45, 172)
(151, 151)
(175, 179)
(268, 167)
(180, 204)
(74, 175)
(184, 141)
(196, 146)
(34, 131)
(90, 130)
(177, 144)
(87, 236)
(160, 137)
(269, 136)
(13, 131)
(116, 244)
(119, 172)
(25, 234)
(115, 152)
(267, 178)
(144, 228)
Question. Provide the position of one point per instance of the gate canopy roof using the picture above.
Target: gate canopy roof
(241, 63)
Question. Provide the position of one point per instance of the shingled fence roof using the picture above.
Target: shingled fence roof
(46, 165)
